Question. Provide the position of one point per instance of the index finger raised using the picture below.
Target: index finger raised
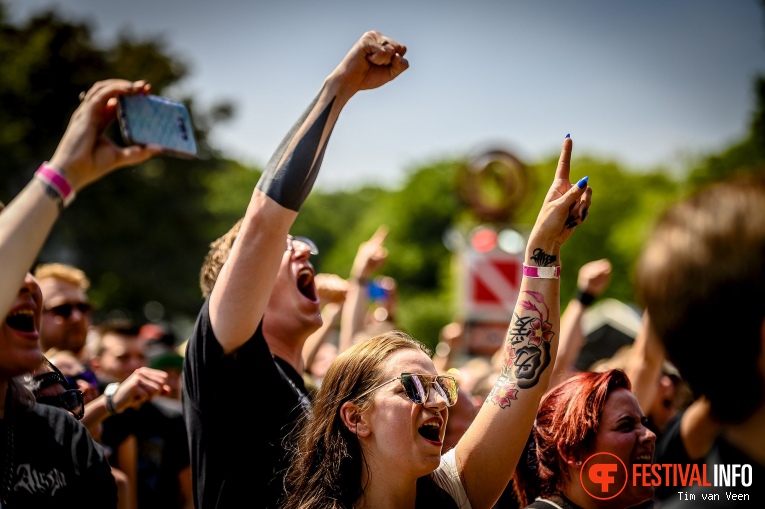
(380, 234)
(564, 163)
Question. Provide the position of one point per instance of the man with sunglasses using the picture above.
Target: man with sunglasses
(66, 309)
(95, 477)
(50, 387)
(244, 357)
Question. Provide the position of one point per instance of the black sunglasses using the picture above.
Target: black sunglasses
(70, 400)
(65, 310)
(44, 380)
(417, 387)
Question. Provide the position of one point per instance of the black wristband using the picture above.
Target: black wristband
(584, 297)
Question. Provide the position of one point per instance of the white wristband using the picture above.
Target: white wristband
(109, 393)
(541, 272)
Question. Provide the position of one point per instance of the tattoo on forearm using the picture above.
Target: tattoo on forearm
(543, 259)
(289, 177)
(526, 352)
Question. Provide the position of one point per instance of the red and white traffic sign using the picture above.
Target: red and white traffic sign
(490, 285)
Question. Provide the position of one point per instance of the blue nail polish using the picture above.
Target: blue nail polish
(582, 183)
(568, 135)
(584, 214)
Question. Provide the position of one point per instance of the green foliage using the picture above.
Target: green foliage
(142, 233)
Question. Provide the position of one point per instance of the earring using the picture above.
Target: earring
(578, 463)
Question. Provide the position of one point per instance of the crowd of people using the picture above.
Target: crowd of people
(352, 411)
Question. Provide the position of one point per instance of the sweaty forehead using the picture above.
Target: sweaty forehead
(409, 360)
(56, 291)
(67, 364)
(121, 344)
(621, 403)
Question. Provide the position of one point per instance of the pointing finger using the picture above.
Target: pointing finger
(564, 163)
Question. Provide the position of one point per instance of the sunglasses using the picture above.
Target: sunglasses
(305, 241)
(70, 400)
(44, 380)
(65, 310)
(417, 387)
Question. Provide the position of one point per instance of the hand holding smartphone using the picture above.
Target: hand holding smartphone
(150, 119)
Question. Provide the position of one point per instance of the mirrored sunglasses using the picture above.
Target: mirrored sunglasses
(65, 310)
(417, 387)
(305, 241)
(70, 400)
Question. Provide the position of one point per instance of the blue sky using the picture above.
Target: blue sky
(647, 84)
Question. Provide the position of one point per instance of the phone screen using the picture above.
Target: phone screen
(150, 119)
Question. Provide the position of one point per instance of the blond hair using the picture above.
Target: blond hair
(64, 272)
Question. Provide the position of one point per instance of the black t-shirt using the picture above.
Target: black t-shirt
(163, 449)
(55, 461)
(238, 410)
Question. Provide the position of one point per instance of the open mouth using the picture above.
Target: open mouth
(643, 458)
(430, 430)
(305, 284)
(22, 320)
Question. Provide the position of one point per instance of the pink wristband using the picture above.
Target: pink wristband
(541, 272)
(57, 181)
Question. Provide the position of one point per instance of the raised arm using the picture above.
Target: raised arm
(644, 364)
(370, 256)
(489, 451)
(83, 156)
(593, 279)
(240, 295)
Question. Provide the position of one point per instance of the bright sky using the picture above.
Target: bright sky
(645, 83)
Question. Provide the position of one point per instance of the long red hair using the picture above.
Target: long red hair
(567, 422)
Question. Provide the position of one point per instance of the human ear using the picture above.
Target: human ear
(570, 458)
(354, 419)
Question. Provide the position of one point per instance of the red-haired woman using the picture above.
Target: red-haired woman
(590, 419)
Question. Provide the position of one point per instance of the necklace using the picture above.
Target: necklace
(302, 398)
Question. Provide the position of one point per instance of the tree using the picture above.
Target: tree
(141, 233)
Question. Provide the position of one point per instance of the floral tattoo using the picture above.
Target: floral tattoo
(527, 350)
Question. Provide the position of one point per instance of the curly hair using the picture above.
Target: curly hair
(219, 251)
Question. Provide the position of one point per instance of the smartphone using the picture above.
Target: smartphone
(145, 119)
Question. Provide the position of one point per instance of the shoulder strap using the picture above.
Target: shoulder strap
(549, 502)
